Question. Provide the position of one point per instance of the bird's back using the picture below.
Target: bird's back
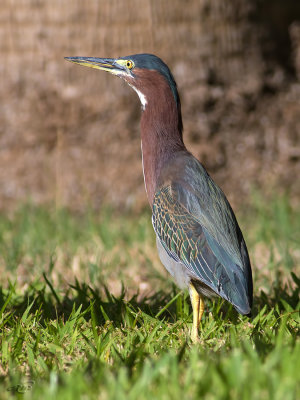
(197, 228)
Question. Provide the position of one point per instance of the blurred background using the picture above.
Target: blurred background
(69, 136)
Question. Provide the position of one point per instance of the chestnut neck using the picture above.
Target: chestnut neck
(161, 128)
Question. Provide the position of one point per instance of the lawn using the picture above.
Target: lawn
(87, 311)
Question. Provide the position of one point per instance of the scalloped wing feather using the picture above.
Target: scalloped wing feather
(198, 228)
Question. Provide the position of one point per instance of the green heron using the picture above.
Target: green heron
(198, 238)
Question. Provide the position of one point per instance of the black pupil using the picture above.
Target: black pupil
(128, 64)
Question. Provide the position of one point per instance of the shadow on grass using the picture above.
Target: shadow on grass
(53, 305)
(105, 307)
(289, 293)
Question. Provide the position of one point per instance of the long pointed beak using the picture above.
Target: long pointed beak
(104, 64)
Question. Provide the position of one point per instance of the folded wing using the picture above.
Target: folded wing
(196, 226)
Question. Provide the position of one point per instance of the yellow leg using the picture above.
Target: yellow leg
(198, 309)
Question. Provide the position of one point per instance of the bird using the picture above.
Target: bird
(198, 238)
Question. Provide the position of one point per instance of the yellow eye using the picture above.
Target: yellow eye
(129, 64)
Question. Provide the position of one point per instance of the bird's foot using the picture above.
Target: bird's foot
(198, 309)
(194, 336)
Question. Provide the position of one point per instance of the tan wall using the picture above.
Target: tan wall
(71, 135)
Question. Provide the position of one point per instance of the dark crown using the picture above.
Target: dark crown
(150, 61)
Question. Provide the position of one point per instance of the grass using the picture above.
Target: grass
(70, 329)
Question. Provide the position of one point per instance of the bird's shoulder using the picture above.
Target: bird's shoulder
(185, 185)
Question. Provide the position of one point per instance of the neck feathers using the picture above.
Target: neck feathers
(161, 128)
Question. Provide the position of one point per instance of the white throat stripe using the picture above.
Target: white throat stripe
(141, 96)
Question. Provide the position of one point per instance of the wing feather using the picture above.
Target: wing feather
(190, 232)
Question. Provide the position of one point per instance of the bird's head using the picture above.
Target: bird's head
(143, 72)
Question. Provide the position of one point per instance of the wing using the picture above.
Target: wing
(196, 225)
